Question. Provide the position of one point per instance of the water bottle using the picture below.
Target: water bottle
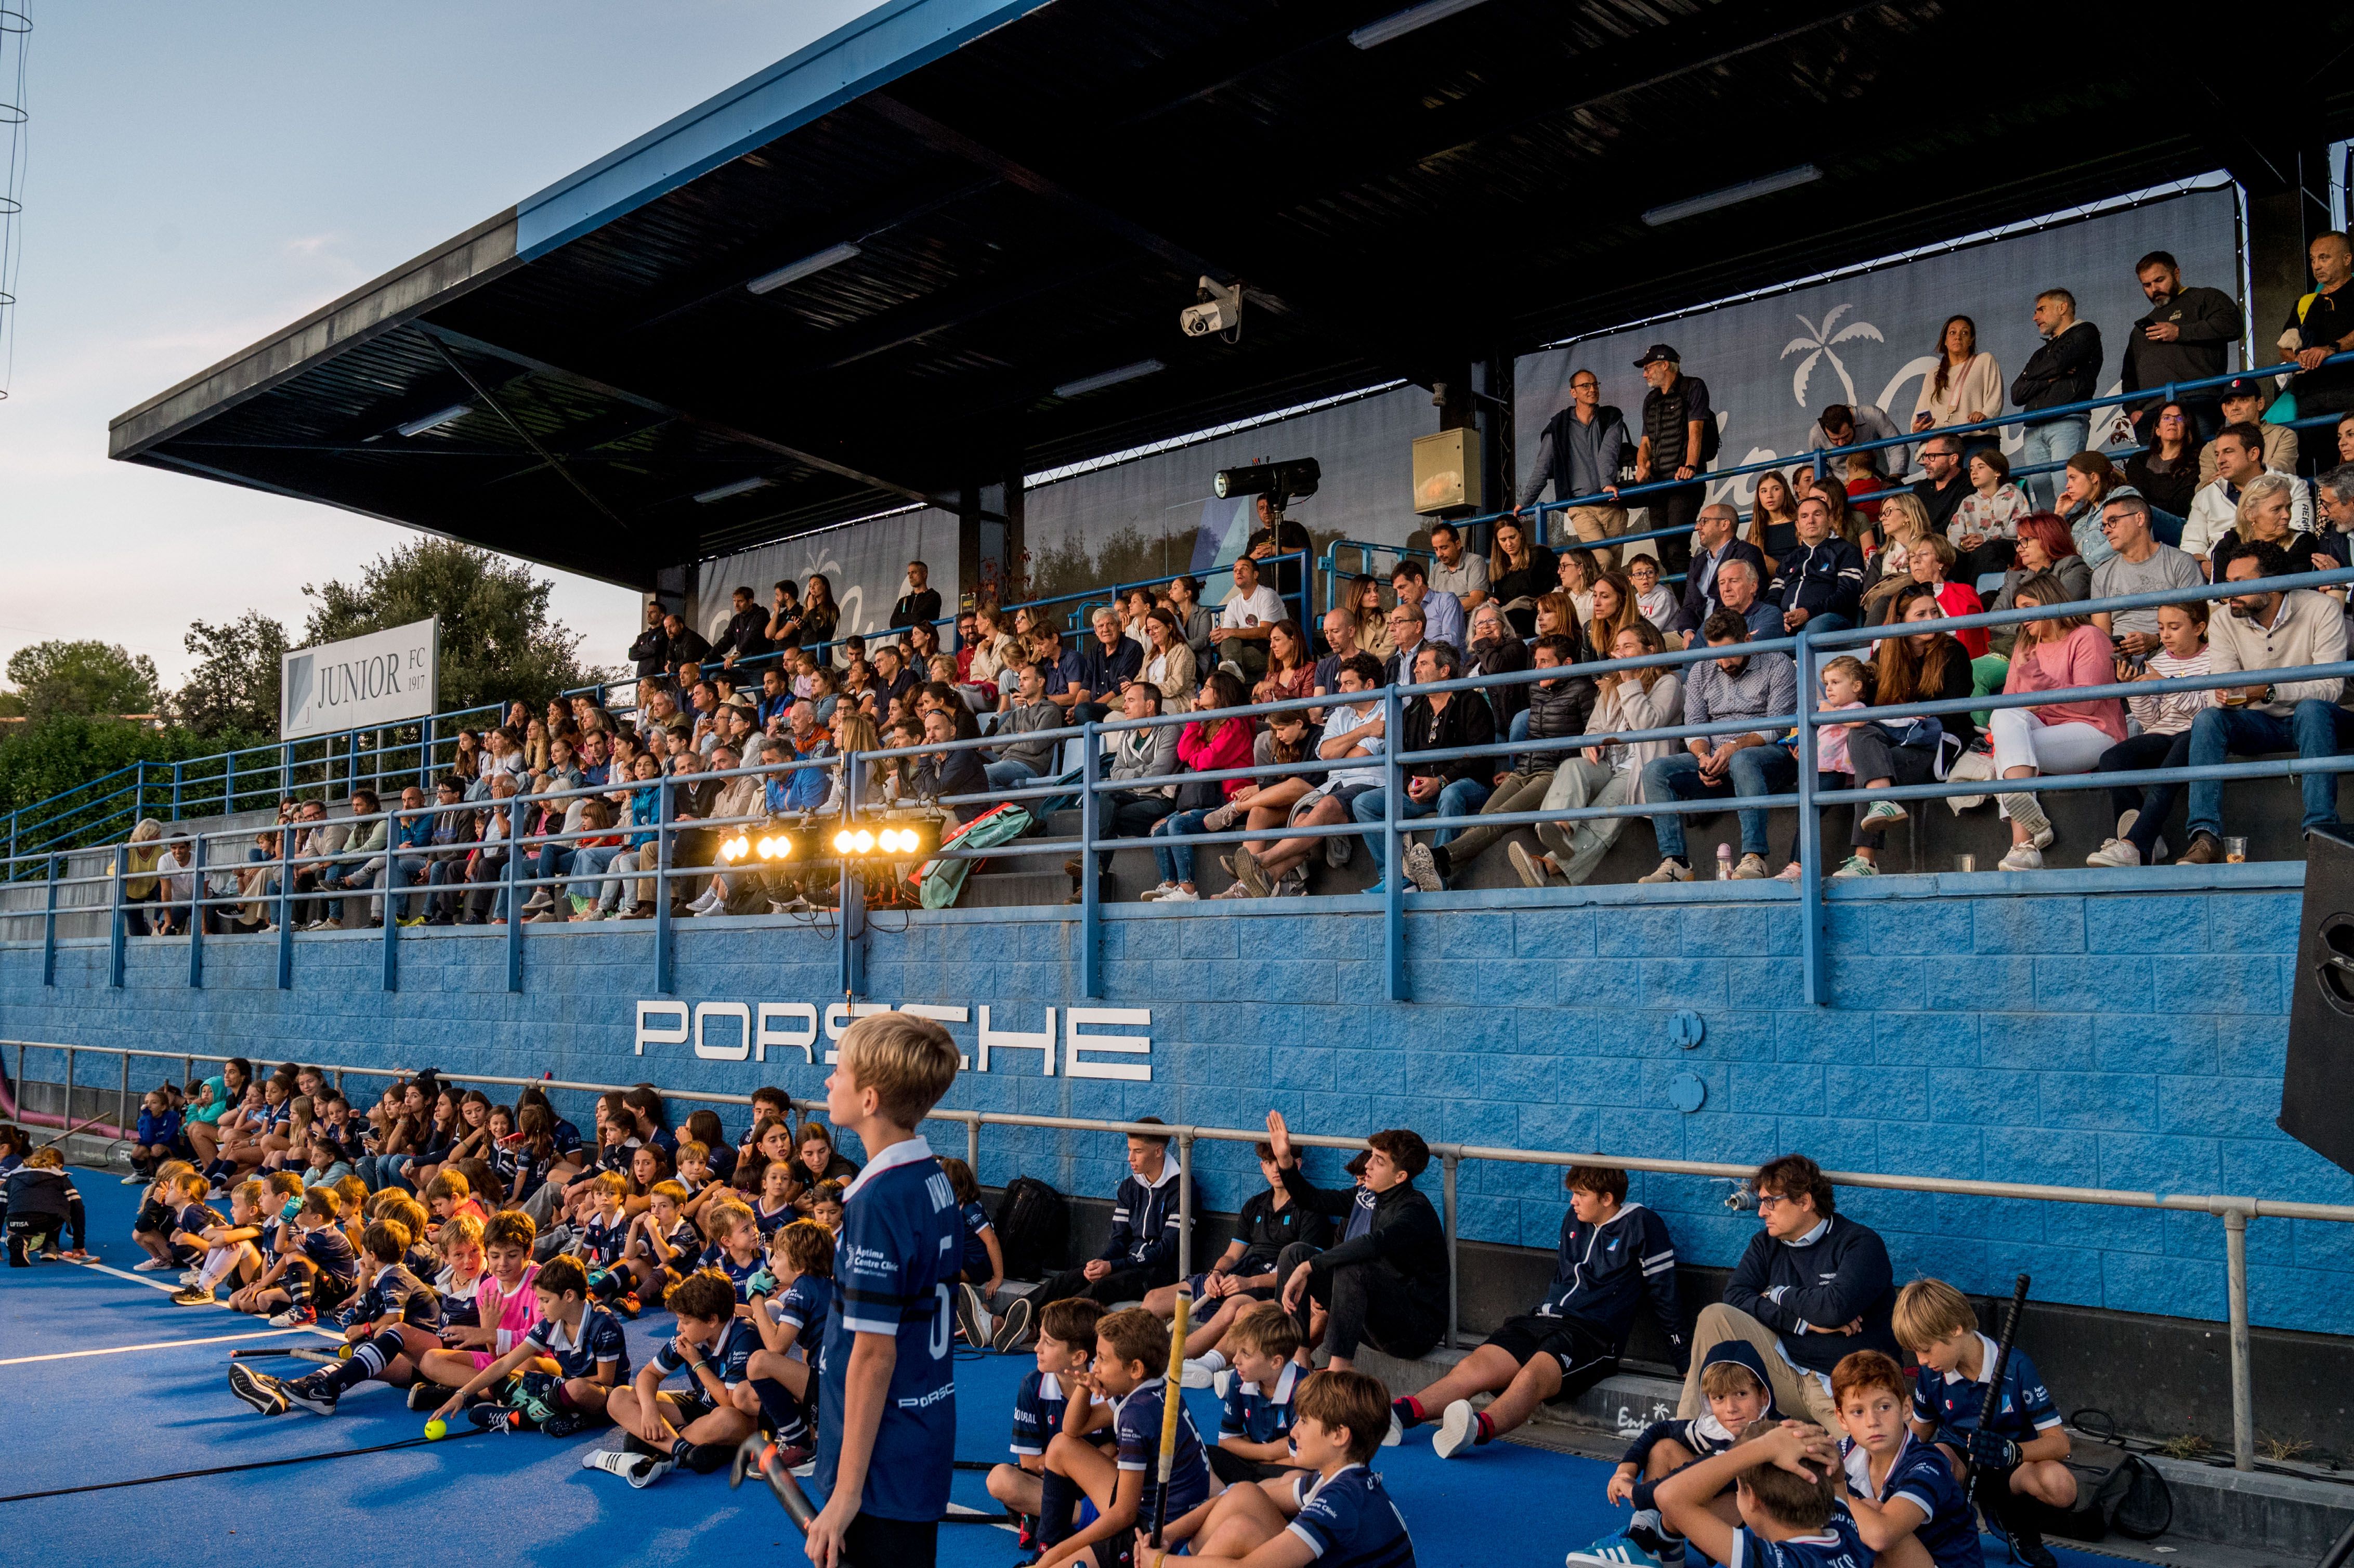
(1724, 862)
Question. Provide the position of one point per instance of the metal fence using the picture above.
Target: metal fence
(2235, 1212)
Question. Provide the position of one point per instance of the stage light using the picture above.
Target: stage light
(1732, 195)
(843, 842)
(433, 421)
(862, 843)
(1282, 481)
(833, 256)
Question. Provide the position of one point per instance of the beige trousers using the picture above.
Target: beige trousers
(1793, 1390)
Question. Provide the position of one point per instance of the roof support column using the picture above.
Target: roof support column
(2288, 203)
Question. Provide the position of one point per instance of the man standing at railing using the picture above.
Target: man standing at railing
(746, 636)
(2323, 323)
(1679, 439)
(1582, 451)
(2065, 370)
(1279, 535)
(650, 651)
(920, 603)
(2259, 632)
(2184, 336)
(1753, 762)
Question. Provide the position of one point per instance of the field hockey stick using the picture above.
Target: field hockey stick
(1172, 1405)
(1992, 1407)
(757, 1455)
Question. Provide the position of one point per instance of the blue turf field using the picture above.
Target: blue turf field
(522, 1498)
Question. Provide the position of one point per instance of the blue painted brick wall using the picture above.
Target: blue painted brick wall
(2074, 1039)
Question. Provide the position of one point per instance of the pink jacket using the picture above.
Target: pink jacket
(511, 1316)
(1232, 749)
(2082, 658)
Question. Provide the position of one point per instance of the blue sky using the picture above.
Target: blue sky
(202, 174)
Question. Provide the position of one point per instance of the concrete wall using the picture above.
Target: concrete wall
(2074, 1036)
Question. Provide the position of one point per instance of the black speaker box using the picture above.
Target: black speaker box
(2317, 1090)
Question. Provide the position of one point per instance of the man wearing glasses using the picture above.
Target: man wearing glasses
(1942, 492)
(1408, 636)
(2141, 564)
(1581, 453)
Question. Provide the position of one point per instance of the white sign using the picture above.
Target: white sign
(746, 1032)
(360, 682)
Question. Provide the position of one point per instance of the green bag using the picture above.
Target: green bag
(942, 880)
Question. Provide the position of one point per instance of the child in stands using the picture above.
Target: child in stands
(1131, 1351)
(1786, 1495)
(983, 1262)
(700, 1426)
(505, 1307)
(790, 1317)
(1906, 1502)
(1335, 1513)
(586, 1354)
(1067, 1336)
(43, 1205)
(2021, 1452)
(1739, 1395)
(157, 1137)
(1254, 1427)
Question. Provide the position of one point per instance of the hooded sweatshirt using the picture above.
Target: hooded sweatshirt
(1703, 1435)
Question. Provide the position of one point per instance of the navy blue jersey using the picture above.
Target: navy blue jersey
(421, 1261)
(771, 1223)
(1348, 1521)
(1948, 1529)
(727, 1357)
(597, 1339)
(900, 1235)
(975, 1219)
(1256, 1414)
(564, 1135)
(600, 1240)
(806, 1303)
(395, 1292)
(1361, 1215)
(1954, 1402)
(1265, 1230)
(458, 1300)
(1602, 1273)
(331, 1251)
(1039, 1407)
(716, 1256)
(684, 1241)
(1136, 1432)
(197, 1218)
(1836, 1545)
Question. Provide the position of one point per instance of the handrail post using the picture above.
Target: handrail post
(1814, 932)
(1447, 1164)
(424, 755)
(285, 769)
(1090, 889)
(197, 916)
(1392, 870)
(385, 884)
(2243, 1396)
(177, 775)
(514, 894)
(50, 931)
(118, 932)
(123, 1118)
(1185, 1203)
(851, 892)
(286, 836)
(972, 1145)
(139, 790)
(661, 847)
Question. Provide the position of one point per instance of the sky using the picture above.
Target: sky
(201, 175)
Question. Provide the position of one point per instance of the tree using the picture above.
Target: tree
(82, 677)
(234, 688)
(497, 641)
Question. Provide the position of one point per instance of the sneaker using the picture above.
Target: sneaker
(428, 1395)
(1150, 894)
(1881, 815)
(1752, 868)
(1249, 873)
(137, 1179)
(2205, 849)
(1793, 872)
(1220, 818)
(1534, 870)
(1181, 895)
(2116, 853)
(972, 1317)
(2030, 1550)
(1397, 1434)
(492, 1416)
(150, 1265)
(2022, 857)
(2023, 809)
(1236, 891)
(799, 1459)
(1670, 870)
(619, 1462)
(1339, 849)
(259, 1389)
(300, 1317)
(1422, 870)
(1198, 1376)
(1856, 865)
(1222, 1382)
(1458, 1427)
(1614, 1551)
(1015, 1327)
(191, 1278)
(311, 1393)
(194, 1296)
(567, 1424)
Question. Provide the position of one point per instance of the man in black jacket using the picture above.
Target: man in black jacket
(1678, 433)
(2064, 370)
(650, 651)
(746, 636)
(687, 646)
(1141, 1254)
(2184, 336)
(1811, 1286)
(1385, 1285)
(1819, 583)
(1715, 544)
(1435, 721)
(919, 603)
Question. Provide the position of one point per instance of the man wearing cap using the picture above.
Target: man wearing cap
(1582, 449)
(1678, 433)
(2243, 400)
(2184, 336)
(1845, 424)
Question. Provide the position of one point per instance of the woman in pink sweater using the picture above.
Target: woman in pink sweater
(2052, 654)
(1204, 745)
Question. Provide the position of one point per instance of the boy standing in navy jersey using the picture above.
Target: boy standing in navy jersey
(887, 1388)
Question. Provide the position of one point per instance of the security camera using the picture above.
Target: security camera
(1215, 310)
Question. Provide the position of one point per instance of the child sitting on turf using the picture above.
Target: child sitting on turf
(1131, 1351)
(2020, 1455)
(735, 1248)
(450, 1194)
(43, 1205)
(700, 1426)
(194, 1217)
(1244, 1275)
(661, 1245)
(157, 1137)
(825, 1206)
(597, 1239)
(390, 1326)
(317, 1272)
(230, 1250)
(1335, 1513)
(773, 1208)
(1067, 1336)
(392, 1203)
(981, 1263)
(1259, 1413)
(459, 1241)
(1733, 1377)
(589, 1357)
(1908, 1507)
(789, 1317)
(157, 1212)
(1787, 1494)
(504, 1309)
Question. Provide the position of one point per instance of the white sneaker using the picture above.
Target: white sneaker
(1668, 871)
(1793, 872)
(1881, 815)
(134, 1180)
(2116, 853)
(1150, 894)
(1397, 1434)
(2125, 822)
(2022, 857)
(619, 1462)
(150, 1265)
(2022, 808)
(1181, 895)
(1457, 1427)
(1856, 865)
(1198, 1373)
(1222, 1382)
(1422, 869)
(1751, 869)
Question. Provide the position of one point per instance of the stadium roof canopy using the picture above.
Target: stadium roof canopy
(887, 268)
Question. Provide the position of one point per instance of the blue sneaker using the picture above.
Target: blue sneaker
(1614, 1551)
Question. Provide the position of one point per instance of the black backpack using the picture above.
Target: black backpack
(1032, 1225)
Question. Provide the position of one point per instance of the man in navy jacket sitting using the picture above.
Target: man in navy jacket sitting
(1811, 1286)
(1141, 1254)
(1820, 582)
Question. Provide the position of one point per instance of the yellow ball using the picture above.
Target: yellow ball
(342, 1352)
(436, 1429)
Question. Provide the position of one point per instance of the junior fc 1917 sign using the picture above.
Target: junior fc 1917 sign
(749, 1032)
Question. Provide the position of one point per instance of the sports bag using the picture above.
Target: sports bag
(1032, 1226)
(941, 880)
